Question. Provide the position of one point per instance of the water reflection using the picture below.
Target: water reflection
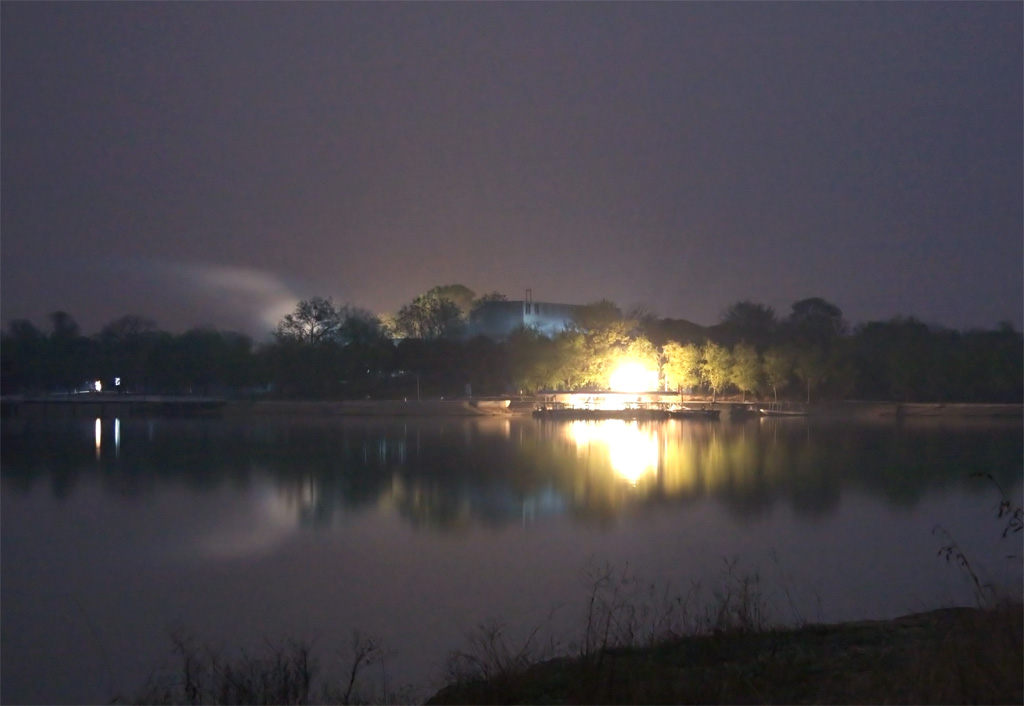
(452, 473)
(303, 526)
(631, 450)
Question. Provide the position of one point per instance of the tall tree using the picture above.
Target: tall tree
(459, 294)
(126, 347)
(597, 315)
(360, 327)
(716, 367)
(531, 357)
(568, 369)
(23, 350)
(751, 322)
(314, 321)
(487, 299)
(67, 352)
(604, 348)
(428, 317)
(682, 365)
(63, 326)
(816, 321)
(746, 368)
(811, 368)
(778, 366)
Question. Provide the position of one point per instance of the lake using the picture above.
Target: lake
(118, 533)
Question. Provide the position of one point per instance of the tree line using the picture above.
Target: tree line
(324, 350)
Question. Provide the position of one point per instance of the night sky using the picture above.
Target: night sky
(211, 163)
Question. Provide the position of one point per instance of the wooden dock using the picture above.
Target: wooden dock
(584, 414)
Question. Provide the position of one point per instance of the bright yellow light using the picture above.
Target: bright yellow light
(634, 377)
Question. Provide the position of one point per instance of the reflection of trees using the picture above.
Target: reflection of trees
(445, 473)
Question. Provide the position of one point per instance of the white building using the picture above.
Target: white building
(498, 319)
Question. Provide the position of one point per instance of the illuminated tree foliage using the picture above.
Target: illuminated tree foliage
(682, 365)
(604, 348)
(746, 368)
(325, 351)
(568, 369)
(716, 367)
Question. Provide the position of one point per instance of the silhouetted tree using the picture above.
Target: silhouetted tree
(777, 366)
(596, 316)
(429, 317)
(750, 322)
(63, 326)
(530, 359)
(23, 354)
(125, 348)
(211, 359)
(488, 298)
(458, 294)
(815, 321)
(810, 367)
(314, 321)
(66, 362)
(568, 370)
(360, 327)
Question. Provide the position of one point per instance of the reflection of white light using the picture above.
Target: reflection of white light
(99, 436)
(632, 452)
(98, 386)
(633, 377)
(117, 437)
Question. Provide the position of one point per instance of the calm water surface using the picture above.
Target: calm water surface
(118, 532)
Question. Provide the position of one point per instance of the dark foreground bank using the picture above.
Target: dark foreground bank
(953, 655)
(945, 656)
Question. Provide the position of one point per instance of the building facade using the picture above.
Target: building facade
(497, 320)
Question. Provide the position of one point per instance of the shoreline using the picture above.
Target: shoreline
(376, 408)
(947, 655)
(494, 407)
(497, 407)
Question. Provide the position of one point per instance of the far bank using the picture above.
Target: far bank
(503, 407)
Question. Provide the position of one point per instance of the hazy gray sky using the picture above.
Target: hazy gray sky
(209, 163)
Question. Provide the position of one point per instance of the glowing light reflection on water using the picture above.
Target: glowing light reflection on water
(415, 530)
